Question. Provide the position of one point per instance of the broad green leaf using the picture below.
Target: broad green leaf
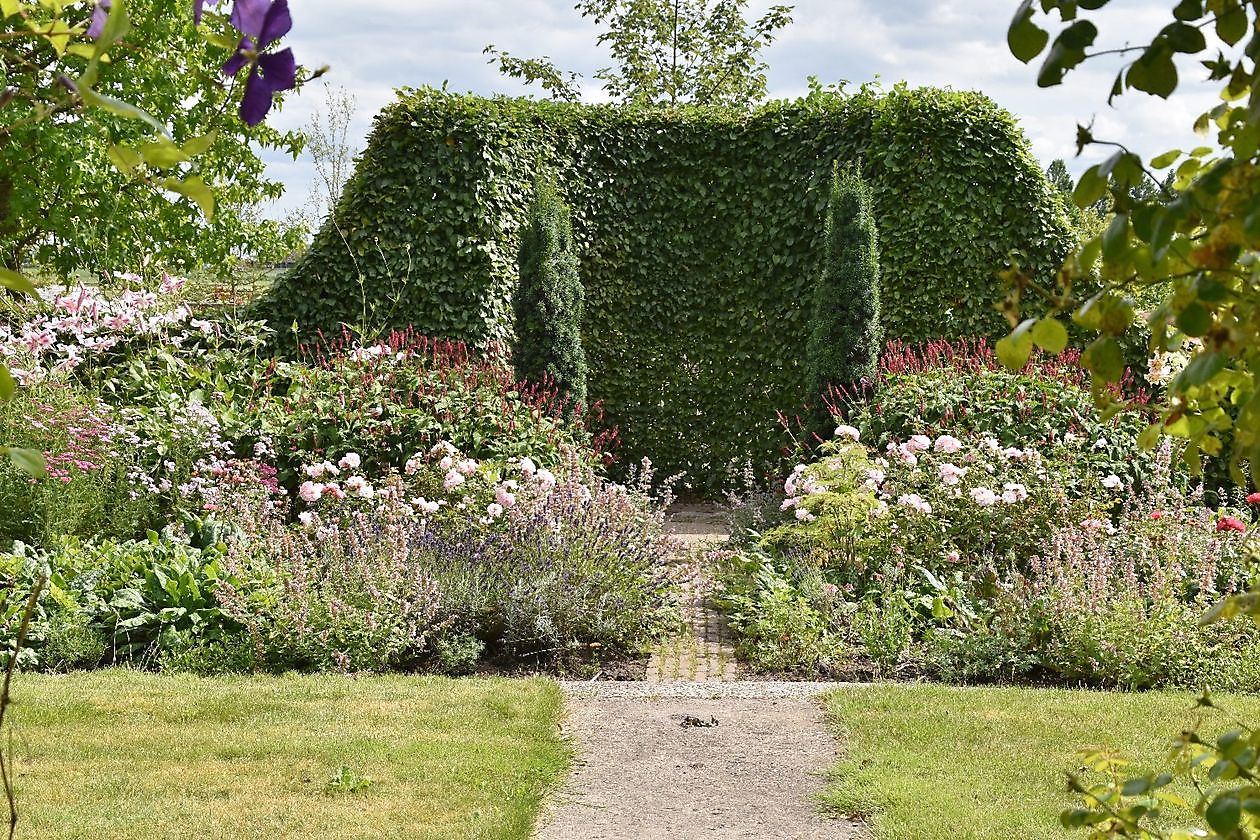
(7, 386)
(116, 106)
(1025, 38)
(162, 154)
(10, 279)
(200, 145)
(29, 461)
(1165, 160)
(1202, 368)
(1091, 187)
(1067, 52)
(1231, 25)
(1150, 436)
(1050, 335)
(1184, 38)
(1223, 813)
(125, 159)
(1194, 320)
(1154, 72)
(1104, 359)
(1014, 350)
(8, 7)
(195, 188)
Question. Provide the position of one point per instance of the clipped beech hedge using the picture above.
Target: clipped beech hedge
(700, 233)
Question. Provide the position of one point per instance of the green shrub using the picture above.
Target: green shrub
(548, 300)
(845, 333)
(701, 236)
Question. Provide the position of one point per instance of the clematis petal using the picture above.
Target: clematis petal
(238, 60)
(248, 15)
(197, 8)
(276, 24)
(100, 14)
(272, 74)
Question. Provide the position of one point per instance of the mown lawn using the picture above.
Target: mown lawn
(923, 762)
(124, 754)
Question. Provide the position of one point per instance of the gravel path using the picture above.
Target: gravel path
(693, 753)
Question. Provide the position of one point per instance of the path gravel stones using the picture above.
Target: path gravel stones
(692, 752)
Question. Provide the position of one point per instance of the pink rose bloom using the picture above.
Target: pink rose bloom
(442, 447)
(805, 516)
(311, 491)
(365, 492)
(952, 556)
(503, 497)
(830, 589)
(453, 479)
(952, 473)
(919, 443)
(446, 464)
(1013, 493)
(906, 455)
(356, 483)
(947, 444)
(494, 509)
(467, 466)
(848, 433)
(413, 465)
(789, 502)
(545, 478)
(306, 518)
(350, 461)
(528, 466)
(983, 496)
(915, 502)
(334, 491)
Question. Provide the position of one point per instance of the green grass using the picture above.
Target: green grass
(928, 762)
(123, 754)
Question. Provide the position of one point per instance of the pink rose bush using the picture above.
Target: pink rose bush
(963, 557)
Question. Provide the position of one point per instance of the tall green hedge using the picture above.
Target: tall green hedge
(700, 232)
(845, 334)
(548, 300)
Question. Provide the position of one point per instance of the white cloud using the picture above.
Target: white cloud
(375, 46)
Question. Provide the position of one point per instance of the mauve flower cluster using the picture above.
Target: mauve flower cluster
(78, 323)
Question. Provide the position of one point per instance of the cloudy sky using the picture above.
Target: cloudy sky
(375, 46)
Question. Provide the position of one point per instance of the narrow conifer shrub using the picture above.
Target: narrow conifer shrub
(548, 302)
(845, 334)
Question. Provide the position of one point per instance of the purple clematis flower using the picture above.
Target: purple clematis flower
(100, 14)
(197, 7)
(261, 23)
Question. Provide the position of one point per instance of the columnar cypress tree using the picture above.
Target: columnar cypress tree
(548, 302)
(845, 334)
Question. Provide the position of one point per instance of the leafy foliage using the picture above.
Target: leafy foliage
(700, 234)
(1187, 244)
(844, 341)
(92, 215)
(548, 300)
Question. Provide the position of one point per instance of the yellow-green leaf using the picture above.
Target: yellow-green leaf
(162, 154)
(195, 188)
(116, 106)
(200, 145)
(7, 386)
(29, 461)
(8, 7)
(1050, 335)
(12, 280)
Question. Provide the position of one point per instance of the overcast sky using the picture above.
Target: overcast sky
(375, 46)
